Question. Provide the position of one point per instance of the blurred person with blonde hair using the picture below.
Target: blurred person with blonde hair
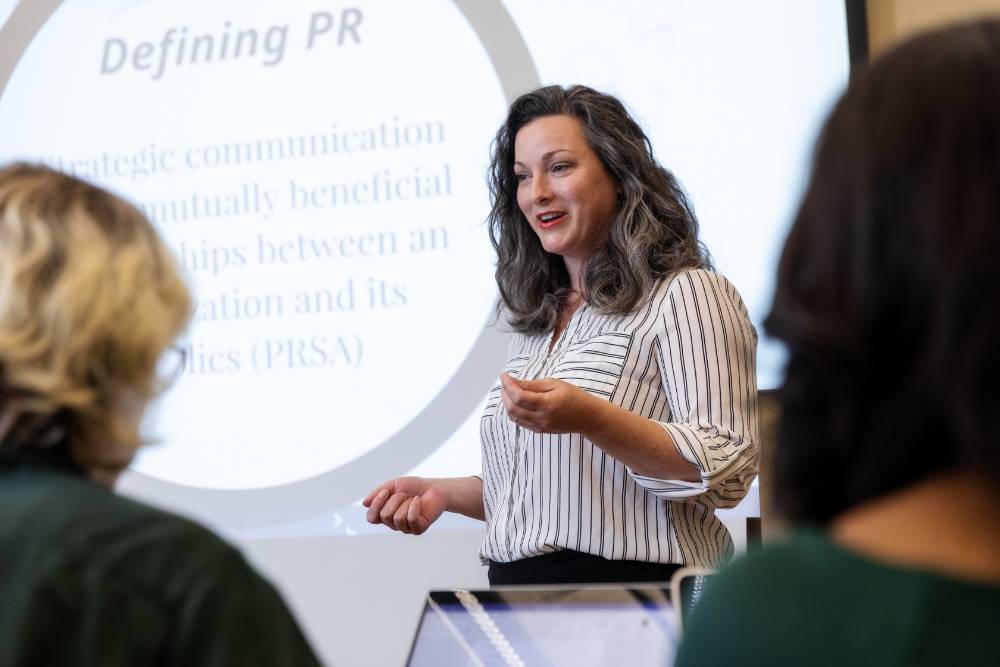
(90, 301)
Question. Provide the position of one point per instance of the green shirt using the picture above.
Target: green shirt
(809, 602)
(90, 578)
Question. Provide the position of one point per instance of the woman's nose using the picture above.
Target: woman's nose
(541, 192)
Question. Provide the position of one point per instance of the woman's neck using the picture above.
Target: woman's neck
(574, 267)
(949, 524)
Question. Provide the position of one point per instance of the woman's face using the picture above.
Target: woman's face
(564, 191)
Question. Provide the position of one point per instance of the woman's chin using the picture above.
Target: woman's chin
(552, 250)
(554, 246)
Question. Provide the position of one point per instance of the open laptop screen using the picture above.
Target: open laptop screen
(590, 627)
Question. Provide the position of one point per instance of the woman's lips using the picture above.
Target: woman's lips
(550, 218)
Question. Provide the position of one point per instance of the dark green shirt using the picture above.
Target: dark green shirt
(90, 578)
(809, 602)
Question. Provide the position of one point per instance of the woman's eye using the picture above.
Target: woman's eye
(561, 166)
(521, 177)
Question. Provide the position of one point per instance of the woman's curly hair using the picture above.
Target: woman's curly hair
(654, 232)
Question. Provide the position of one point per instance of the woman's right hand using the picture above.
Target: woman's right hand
(407, 504)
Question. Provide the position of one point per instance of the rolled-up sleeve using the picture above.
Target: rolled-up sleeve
(706, 352)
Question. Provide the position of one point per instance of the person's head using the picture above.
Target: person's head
(888, 291)
(577, 152)
(90, 298)
(564, 191)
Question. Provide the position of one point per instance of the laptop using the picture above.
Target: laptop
(603, 626)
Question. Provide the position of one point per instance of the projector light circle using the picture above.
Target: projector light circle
(347, 481)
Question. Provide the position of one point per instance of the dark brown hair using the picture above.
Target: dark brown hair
(888, 291)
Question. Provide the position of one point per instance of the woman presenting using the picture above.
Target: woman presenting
(626, 412)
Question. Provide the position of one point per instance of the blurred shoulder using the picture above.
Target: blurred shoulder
(72, 523)
(143, 576)
(797, 556)
(768, 603)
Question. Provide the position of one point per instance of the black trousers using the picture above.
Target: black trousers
(573, 567)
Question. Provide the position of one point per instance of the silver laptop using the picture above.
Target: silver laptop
(579, 627)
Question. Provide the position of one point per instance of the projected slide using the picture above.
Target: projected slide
(318, 169)
(320, 177)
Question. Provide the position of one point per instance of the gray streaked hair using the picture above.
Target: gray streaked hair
(654, 232)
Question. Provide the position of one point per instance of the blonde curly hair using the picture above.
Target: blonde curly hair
(90, 298)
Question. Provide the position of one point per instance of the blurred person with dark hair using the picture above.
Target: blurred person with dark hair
(888, 299)
(626, 413)
(90, 302)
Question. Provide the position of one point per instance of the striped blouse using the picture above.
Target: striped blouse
(684, 358)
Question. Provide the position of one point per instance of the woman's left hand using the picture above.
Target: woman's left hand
(554, 406)
(548, 405)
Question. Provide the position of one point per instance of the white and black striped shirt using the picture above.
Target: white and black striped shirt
(685, 358)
